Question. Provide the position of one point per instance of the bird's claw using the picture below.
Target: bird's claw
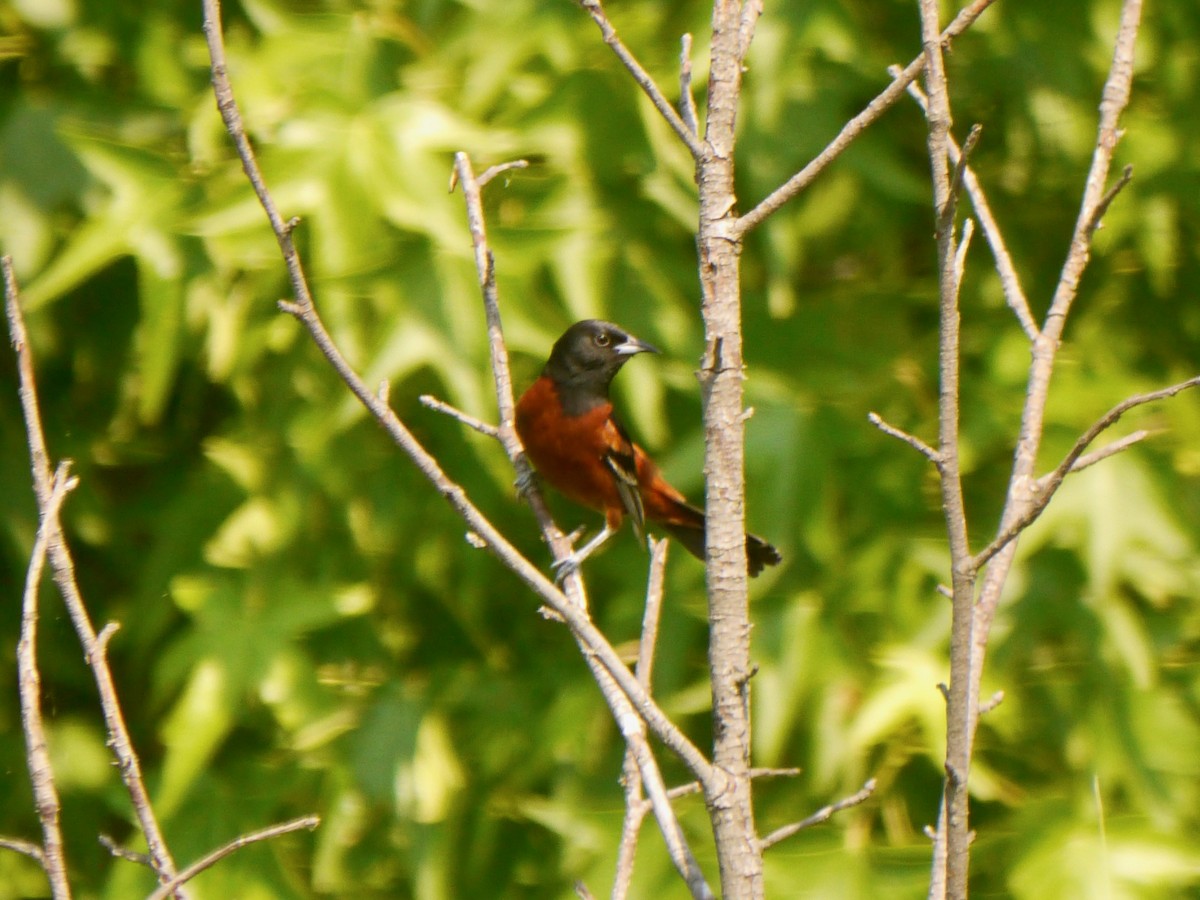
(525, 482)
(566, 567)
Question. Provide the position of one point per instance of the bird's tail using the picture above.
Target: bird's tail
(689, 531)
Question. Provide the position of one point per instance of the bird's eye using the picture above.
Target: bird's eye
(603, 339)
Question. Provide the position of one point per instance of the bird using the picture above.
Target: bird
(577, 445)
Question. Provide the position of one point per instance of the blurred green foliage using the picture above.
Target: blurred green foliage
(304, 628)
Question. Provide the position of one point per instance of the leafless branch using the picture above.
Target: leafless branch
(211, 859)
(25, 848)
(687, 100)
(643, 78)
(958, 698)
(751, 10)
(459, 416)
(1046, 486)
(1010, 281)
(899, 434)
(64, 577)
(856, 126)
(41, 773)
(1117, 446)
(992, 702)
(640, 771)
(821, 815)
(492, 171)
(124, 853)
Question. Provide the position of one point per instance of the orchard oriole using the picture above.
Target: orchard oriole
(565, 420)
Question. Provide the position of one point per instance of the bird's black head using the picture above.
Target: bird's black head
(588, 355)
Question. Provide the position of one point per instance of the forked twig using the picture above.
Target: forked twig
(63, 568)
(211, 859)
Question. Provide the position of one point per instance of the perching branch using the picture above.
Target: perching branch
(305, 312)
(639, 757)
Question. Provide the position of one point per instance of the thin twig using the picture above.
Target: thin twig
(133, 856)
(958, 703)
(1046, 486)
(1109, 196)
(41, 773)
(643, 78)
(458, 415)
(960, 255)
(640, 771)
(856, 126)
(304, 822)
(492, 171)
(899, 434)
(821, 815)
(751, 10)
(1010, 281)
(25, 848)
(992, 702)
(1117, 446)
(687, 100)
(64, 577)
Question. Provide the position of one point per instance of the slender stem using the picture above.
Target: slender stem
(41, 773)
(63, 567)
(211, 859)
(643, 78)
(856, 126)
(945, 193)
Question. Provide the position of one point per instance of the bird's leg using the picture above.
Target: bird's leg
(525, 482)
(566, 566)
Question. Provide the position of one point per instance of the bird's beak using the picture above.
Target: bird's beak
(632, 345)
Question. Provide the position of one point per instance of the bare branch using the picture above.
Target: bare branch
(992, 702)
(912, 440)
(1117, 446)
(41, 773)
(751, 10)
(960, 255)
(63, 568)
(1046, 486)
(687, 100)
(25, 848)
(205, 862)
(492, 171)
(459, 416)
(1010, 281)
(640, 770)
(821, 815)
(1109, 196)
(856, 126)
(643, 78)
(141, 859)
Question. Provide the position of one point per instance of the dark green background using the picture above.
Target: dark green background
(304, 627)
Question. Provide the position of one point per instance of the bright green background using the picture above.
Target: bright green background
(304, 627)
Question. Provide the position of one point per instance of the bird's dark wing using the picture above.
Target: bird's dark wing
(620, 458)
